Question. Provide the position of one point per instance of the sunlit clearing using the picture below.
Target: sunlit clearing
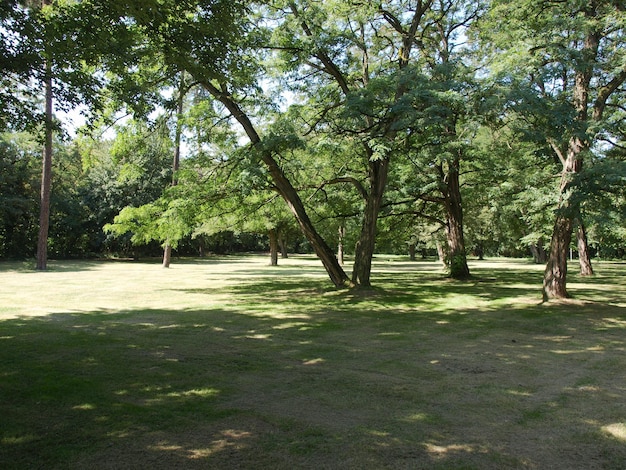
(617, 430)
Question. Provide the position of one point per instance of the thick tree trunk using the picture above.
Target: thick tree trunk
(46, 175)
(555, 275)
(583, 251)
(457, 257)
(273, 236)
(284, 187)
(364, 252)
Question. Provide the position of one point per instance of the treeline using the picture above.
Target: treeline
(456, 126)
(86, 196)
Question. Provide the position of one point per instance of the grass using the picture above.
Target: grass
(229, 363)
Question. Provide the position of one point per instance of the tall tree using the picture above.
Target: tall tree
(569, 58)
(46, 173)
(178, 131)
(356, 63)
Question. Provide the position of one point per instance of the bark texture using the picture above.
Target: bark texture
(378, 171)
(555, 275)
(456, 257)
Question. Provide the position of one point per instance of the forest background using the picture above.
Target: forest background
(446, 127)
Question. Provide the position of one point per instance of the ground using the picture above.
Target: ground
(229, 363)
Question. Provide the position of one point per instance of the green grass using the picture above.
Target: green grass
(230, 363)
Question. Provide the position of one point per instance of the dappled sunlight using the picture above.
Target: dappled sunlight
(417, 417)
(293, 324)
(232, 439)
(84, 407)
(616, 430)
(613, 323)
(313, 362)
(419, 372)
(443, 451)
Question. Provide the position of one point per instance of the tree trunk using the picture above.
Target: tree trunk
(282, 245)
(555, 275)
(457, 258)
(412, 251)
(538, 251)
(46, 174)
(167, 255)
(364, 250)
(273, 236)
(583, 251)
(167, 251)
(284, 187)
(340, 248)
(441, 253)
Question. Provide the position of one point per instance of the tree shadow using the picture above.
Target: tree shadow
(290, 373)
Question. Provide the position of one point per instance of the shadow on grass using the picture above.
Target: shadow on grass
(296, 375)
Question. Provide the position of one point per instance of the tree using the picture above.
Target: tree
(180, 99)
(567, 57)
(360, 66)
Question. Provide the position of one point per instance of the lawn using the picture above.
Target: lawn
(229, 363)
